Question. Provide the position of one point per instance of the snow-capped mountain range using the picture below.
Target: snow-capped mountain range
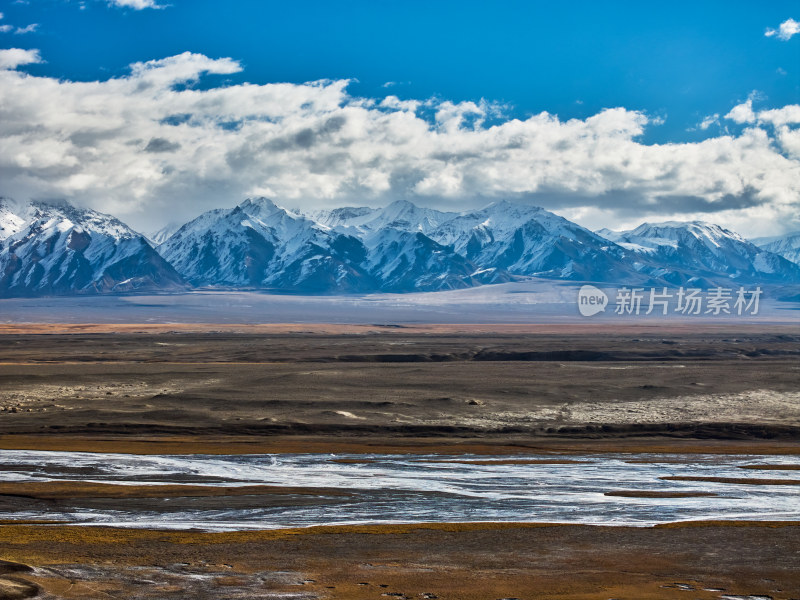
(59, 249)
(55, 249)
(788, 246)
(687, 252)
(259, 244)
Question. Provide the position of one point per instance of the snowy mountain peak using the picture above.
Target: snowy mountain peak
(63, 249)
(65, 216)
(346, 216)
(700, 249)
(501, 221)
(673, 230)
(609, 234)
(402, 210)
(259, 206)
(260, 244)
(406, 215)
(788, 245)
(10, 221)
(284, 221)
(531, 241)
(400, 214)
(507, 207)
(792, 236)
(162, 235)
(508, 216)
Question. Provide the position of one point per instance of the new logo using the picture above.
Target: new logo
(591, 300)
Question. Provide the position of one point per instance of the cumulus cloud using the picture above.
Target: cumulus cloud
(11, 58)
(777, 117)
(742, 113)
(152, 146)
(788, 115)
(783, 122)
(785, 30)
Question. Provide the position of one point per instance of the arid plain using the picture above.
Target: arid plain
(499, 390)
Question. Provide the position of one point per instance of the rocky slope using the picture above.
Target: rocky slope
(788, 246)
(703, 253)
(60, 249)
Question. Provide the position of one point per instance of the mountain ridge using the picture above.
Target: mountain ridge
(56, 248)
(62, 249)
(697, 251)
(787, 245)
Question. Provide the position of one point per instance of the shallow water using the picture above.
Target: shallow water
(414, 488)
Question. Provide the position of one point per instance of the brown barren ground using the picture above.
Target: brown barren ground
(511, 390)
(390, 387)
(446, 561)
(57, 490)
(282, 444)
(655, 494)
(733, 480)
(772, 467)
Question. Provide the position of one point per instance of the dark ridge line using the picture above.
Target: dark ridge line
(705, 431)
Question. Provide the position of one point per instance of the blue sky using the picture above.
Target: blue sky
(678, 60)
(678, 64)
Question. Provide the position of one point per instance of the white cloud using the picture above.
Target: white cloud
(18, 30)
(135, 4)
(742, 113)
(148, 148)
(788, 115)
(11, 58)
(779, 118)
(709, 121)
(182, 68)
(27, 29)
(785, 30)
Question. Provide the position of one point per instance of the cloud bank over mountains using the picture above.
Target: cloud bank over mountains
(173, 138)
